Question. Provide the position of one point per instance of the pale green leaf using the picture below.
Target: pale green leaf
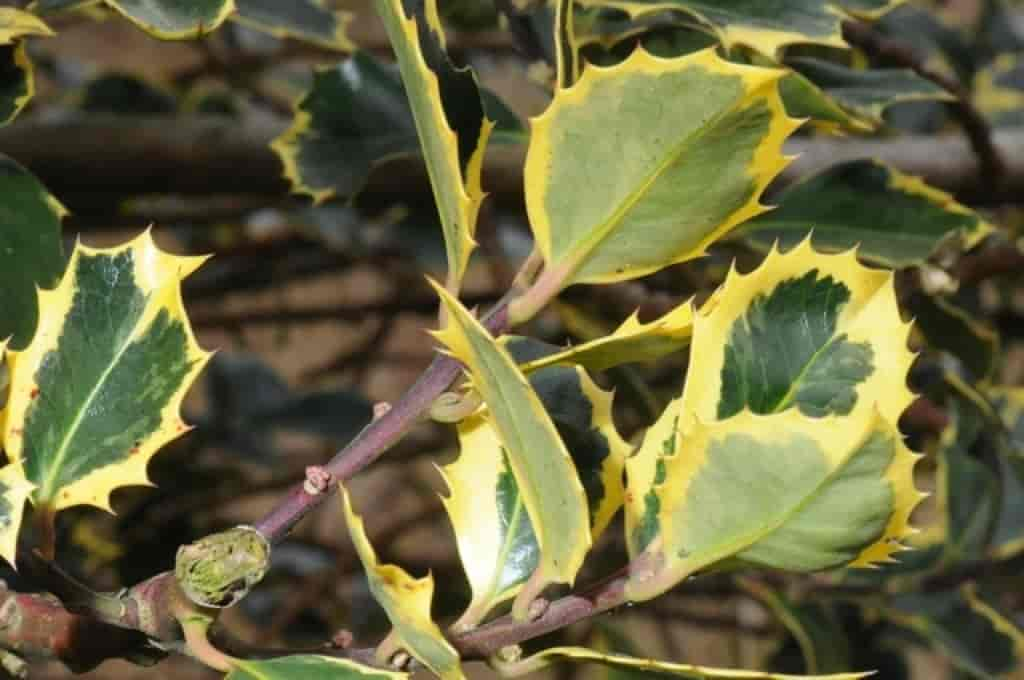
(453, 147)
(783, 491)
(893, 219)
(763, 26)
(552, 492)
(407, 602)
(308, 667)
(98, 390)
(645, 471)
(174, 19)
(649, 668)
(631, 342)
(306, 20)
(618, 167)
(31, 254)
(497, 544)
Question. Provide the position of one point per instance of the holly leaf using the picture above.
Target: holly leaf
(174, 19)
(765, 27)
(953, 329)
(496, 540)
(31, 254)
(783, 491)
(999, 90)
(633, 667)
(631, 342)
(544, 471)
(450, 118)
(98, 390)
(406, 601)
(893, 219)
(14, 491)
(309, 667)
(635, 197)
(17, 82)
(306, 20)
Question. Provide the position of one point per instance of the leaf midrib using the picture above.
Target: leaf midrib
(58, 459)
(599, 235)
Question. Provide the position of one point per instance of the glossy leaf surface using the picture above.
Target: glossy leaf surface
(31, 254)
(551, 490)
(617, 167)
(893, 219)
(98, 390)
(174, 19)
(497, 543)
(306, 20)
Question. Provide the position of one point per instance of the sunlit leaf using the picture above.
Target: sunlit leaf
(306, 20)
(450, 118)
(551, 489)
(407, 601)
(648, 668)
(17, 81)
(766, 27)
(893, 219)
(632, 341)
(784, 491)
(617, 167)
(174, 19)
(31, 254)
(497, 544)
(308, 667)
(98, 390)
(819, 333)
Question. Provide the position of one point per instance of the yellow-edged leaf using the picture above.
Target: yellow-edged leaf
(174, 19)
(543, 468)
(641, 668)
(630, 342)
(497, 544)
(765, 27)
(453, 149)
(306, 20)
(308, 667)
(98, 390)
(15, 23)
(407, 601)
(625, 175)
(820, 333)
(784, 491)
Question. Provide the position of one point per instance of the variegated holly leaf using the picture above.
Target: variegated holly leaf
(633, 667)
(14, 492)
(999, 90)
(98, 390)
(952, 329)
(635, 197)
(765, 27)
(44, 7)
(31, 255)
(306, 20)
(784, 491)
(1008, 538)
(450, 118)
(308, 667)
(961, 625)
(819, 333)
(893, 219)
(17, 82)
(497, 544)
(554, 496)
(406, 601)
(645, 471)
(631, 342)
(174, 19)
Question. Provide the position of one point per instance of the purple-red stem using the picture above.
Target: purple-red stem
(376, 438)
